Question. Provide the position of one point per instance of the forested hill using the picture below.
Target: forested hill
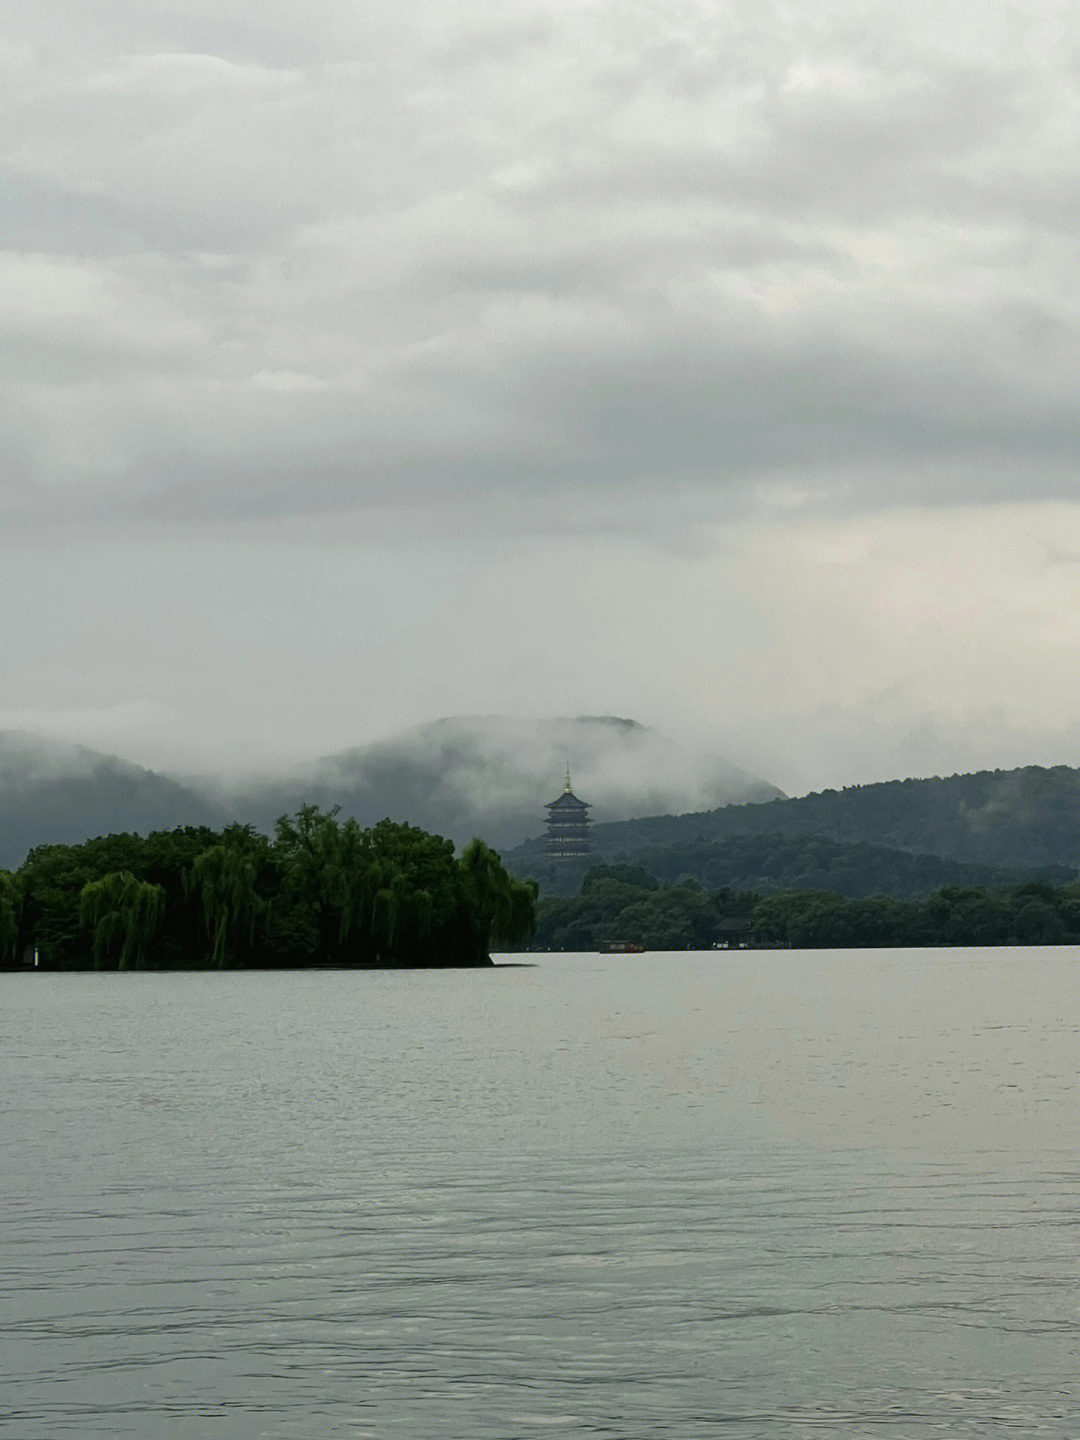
(1013, 820)
(769, 863)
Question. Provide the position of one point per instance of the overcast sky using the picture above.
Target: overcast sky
(710, 364)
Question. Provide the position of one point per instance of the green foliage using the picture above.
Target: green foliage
(53, 877)
(11, 905)
(658, 917)
(684, 916)
(770, 863)
(634, 875)
(226, 878)
(903, 838)
(123, 914)
(326, 892)
(320, 892)
(506, 908)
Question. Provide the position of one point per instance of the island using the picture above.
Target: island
(318, 892)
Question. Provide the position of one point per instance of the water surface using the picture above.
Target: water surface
(755, 1195)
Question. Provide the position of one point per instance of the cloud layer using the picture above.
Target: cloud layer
(477, 296)
(283, 264)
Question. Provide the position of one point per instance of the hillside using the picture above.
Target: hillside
(51, 793)
(769, 863)
(487, 776)
(1015, 821)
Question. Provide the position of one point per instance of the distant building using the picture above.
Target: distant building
(567, 826)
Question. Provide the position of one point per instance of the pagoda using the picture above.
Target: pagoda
(567, 826)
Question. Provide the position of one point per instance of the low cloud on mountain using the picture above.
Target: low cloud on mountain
(486, 776)
(492, 776)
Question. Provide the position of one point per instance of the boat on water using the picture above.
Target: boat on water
(622, 947)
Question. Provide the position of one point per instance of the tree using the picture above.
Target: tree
(1037, 923)
(10, 916)
(393, 894)
(505, 908)
(968, 915)
(634, 875)
(121, 911)
(226, 878)
(323, 892)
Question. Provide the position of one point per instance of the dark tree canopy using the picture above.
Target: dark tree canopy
(319, 892)
(619, 903)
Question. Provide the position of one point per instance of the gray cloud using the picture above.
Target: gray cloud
(404, 285)
(559, 251)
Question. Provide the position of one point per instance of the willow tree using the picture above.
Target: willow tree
(505, 908)
(226, 878)
(363, 892)
(358, 899)
(10, 916)
(121, 911)
(314, 855)
(421, 912)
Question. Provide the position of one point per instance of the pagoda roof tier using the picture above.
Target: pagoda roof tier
(568, 801)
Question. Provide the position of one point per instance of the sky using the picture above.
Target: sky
(711, 364)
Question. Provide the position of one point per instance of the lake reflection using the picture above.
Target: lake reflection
(760, 1195)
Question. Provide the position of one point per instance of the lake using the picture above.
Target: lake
(751, 1195)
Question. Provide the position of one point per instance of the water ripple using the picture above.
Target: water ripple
(327, 1206)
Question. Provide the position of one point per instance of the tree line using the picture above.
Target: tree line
(317, 892)
(624, 902)
(776, 862)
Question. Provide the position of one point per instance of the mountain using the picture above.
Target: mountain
(52, 793)
(487, 776)
(491, 776)
(1018, 821)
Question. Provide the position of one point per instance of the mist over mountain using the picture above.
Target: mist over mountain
(673, 809)
(55, 793)
(485, 776)
(492, 775)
